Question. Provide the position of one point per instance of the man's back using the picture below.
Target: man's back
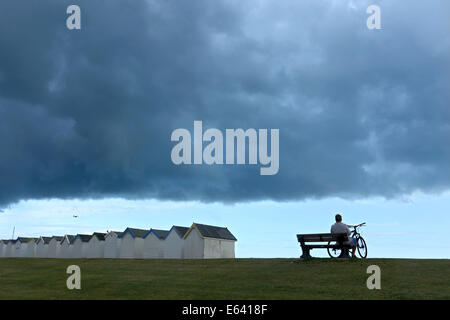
(340, 227)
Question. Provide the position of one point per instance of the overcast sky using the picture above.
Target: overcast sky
(88, 114)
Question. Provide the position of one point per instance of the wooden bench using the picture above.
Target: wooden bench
(337, 238)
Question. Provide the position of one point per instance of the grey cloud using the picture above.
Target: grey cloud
(88, 114)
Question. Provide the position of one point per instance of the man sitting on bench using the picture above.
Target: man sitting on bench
(340, 227)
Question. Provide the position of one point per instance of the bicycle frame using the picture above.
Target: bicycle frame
(354, 233)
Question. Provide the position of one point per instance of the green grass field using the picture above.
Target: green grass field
(224, 279)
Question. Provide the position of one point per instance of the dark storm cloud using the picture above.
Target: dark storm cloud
(89, 113)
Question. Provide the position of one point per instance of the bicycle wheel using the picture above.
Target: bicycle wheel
(362, 247)
(333, 252)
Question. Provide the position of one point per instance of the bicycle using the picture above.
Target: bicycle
(361, 245)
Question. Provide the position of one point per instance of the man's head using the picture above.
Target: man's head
(338, 218)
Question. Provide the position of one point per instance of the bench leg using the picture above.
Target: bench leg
(344, 252)
(305, 253)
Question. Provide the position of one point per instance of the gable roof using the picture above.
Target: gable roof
(135, 233)
(117, 233)
(83, 237)
(181, 230)
(69, 238)
(208, 231)
(57, 238)
(46, 240)
(99, 235)
(26, 240)
(160, 234)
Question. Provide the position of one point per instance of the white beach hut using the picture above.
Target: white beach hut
(96, 245)
(112, 245)
(15, 248)
(132, 243)
(205, 242)
(9, 248)
(154, 244)
(80, 246)
(66, 246)
(54, 247)
(4, 252)
(3, 244)
(42, 247)
(173, 242)
(27, 247)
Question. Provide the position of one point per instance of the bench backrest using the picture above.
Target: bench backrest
(322, 237)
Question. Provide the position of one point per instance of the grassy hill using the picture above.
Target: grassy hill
(224, 279)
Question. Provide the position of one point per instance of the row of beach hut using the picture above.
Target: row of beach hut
(197, 242)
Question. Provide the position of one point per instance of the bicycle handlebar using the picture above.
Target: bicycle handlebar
(358, 225)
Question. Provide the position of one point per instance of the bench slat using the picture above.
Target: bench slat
(323, 246)
(322, 237)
